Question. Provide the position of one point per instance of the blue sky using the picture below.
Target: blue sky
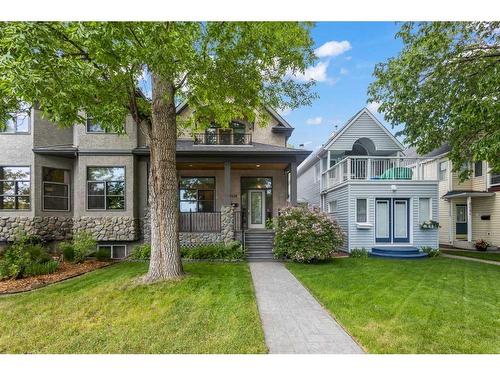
(343, 75)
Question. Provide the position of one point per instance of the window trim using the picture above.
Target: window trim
(17, 195)
(328, 207)
(56, 183)
(197, 190)
(420, 221)
(99, 245)
(105, 189)
(356, 211)
(445, 170)
(87, 118)
(30, 117)
(475, 169)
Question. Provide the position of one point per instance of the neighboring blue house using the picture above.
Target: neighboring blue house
(384, 201)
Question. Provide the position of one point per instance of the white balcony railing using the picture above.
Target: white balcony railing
(379, 168)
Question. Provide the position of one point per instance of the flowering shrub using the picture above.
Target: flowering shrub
(481, 245)
(305, 235)
(431, 252)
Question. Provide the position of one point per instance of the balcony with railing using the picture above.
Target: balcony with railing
(222, 138)
(379, 168)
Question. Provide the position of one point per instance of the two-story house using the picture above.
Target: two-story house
(55, 181)
(468, 210)
(384, 201)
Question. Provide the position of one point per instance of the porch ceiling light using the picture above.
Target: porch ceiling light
(257, 165)
(394, 188)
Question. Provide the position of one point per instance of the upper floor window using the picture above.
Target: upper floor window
(361, 210)
(235, 134)
(478, 169)
(443, 169)
(106, 188)
(18, 123)
(94, 126)
(15, 188)
(55, 185)
(197, 194)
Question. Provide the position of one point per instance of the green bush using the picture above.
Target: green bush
(141, 251)
(231, 251)
(83, 245)
(359, 253)
(305, 235)
(103, 254)
(35, 269)
(22, 254)
(431, 252)
(67, 250)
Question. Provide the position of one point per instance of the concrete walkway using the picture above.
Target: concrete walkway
(469, 258)
(293, 321)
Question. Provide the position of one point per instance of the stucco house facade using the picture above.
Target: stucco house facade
(382, 199)
(55, 181)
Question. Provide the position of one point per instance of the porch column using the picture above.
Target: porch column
(293, 183)
(226, 200)
(469, 219)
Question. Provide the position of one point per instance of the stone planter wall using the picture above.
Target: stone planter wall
(48, 228)
(109, 228)
(192, 239)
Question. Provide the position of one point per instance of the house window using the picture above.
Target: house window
(332, 206)
(361, 210)
(478, 169)
(55, 189)
(495, 179)
(197, 194)
(317, 172)
(424, 209)
(114, 251)
(443, 168)
(18, 123)
(15, 188)
(105, 188)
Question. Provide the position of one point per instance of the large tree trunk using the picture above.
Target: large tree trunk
(165, 261)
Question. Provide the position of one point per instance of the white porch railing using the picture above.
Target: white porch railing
(379, 168)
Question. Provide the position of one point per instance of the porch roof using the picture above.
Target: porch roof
(466, 193)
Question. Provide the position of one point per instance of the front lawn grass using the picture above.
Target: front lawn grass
(411, 306)
(473, 254)
(212, 310)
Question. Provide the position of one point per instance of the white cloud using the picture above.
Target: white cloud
(373, 106)
(333, 48)
(343, 71)
(314, 120)
(316, 73)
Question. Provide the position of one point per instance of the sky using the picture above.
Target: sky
(348, 52)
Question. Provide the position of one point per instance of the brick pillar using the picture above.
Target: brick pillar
(227, 223)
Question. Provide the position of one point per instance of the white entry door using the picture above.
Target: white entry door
(256, 209)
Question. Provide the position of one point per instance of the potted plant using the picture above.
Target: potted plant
(430, 224)
(482, 245)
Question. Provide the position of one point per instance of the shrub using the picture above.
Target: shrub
(306, 235)
(482, 245)
(431, 252)
(359, 253)
(83, 245)
(67, 250)
(231, 251)
(35, 269)
(141, 251)
(103, 254)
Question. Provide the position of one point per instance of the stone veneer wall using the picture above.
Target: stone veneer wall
(63, 228)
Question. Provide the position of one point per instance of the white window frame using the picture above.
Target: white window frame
(445, 170)
(103, 131)
(420, 221)
(112, 246)
(333, 203)
(356, 211)
(475, 169)
(491, 179)
(14, 118)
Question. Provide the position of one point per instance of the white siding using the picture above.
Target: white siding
(365, 127)
(341, 195)
(308, 187)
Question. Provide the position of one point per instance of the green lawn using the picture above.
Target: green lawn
(213, 310)
(411, 306)
(473, 254)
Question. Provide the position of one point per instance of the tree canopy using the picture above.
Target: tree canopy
(444, 86)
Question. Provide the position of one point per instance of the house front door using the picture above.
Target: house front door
(256, 209)
(392, 220)
(461, 221)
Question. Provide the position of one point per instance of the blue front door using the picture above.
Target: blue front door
(461, 220)
(392, 220)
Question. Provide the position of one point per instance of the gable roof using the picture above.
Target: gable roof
(352, 121)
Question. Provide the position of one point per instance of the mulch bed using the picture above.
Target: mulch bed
(65, 271)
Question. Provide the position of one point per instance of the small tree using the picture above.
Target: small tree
(225, 70)
(304, 235)
(444, 87)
